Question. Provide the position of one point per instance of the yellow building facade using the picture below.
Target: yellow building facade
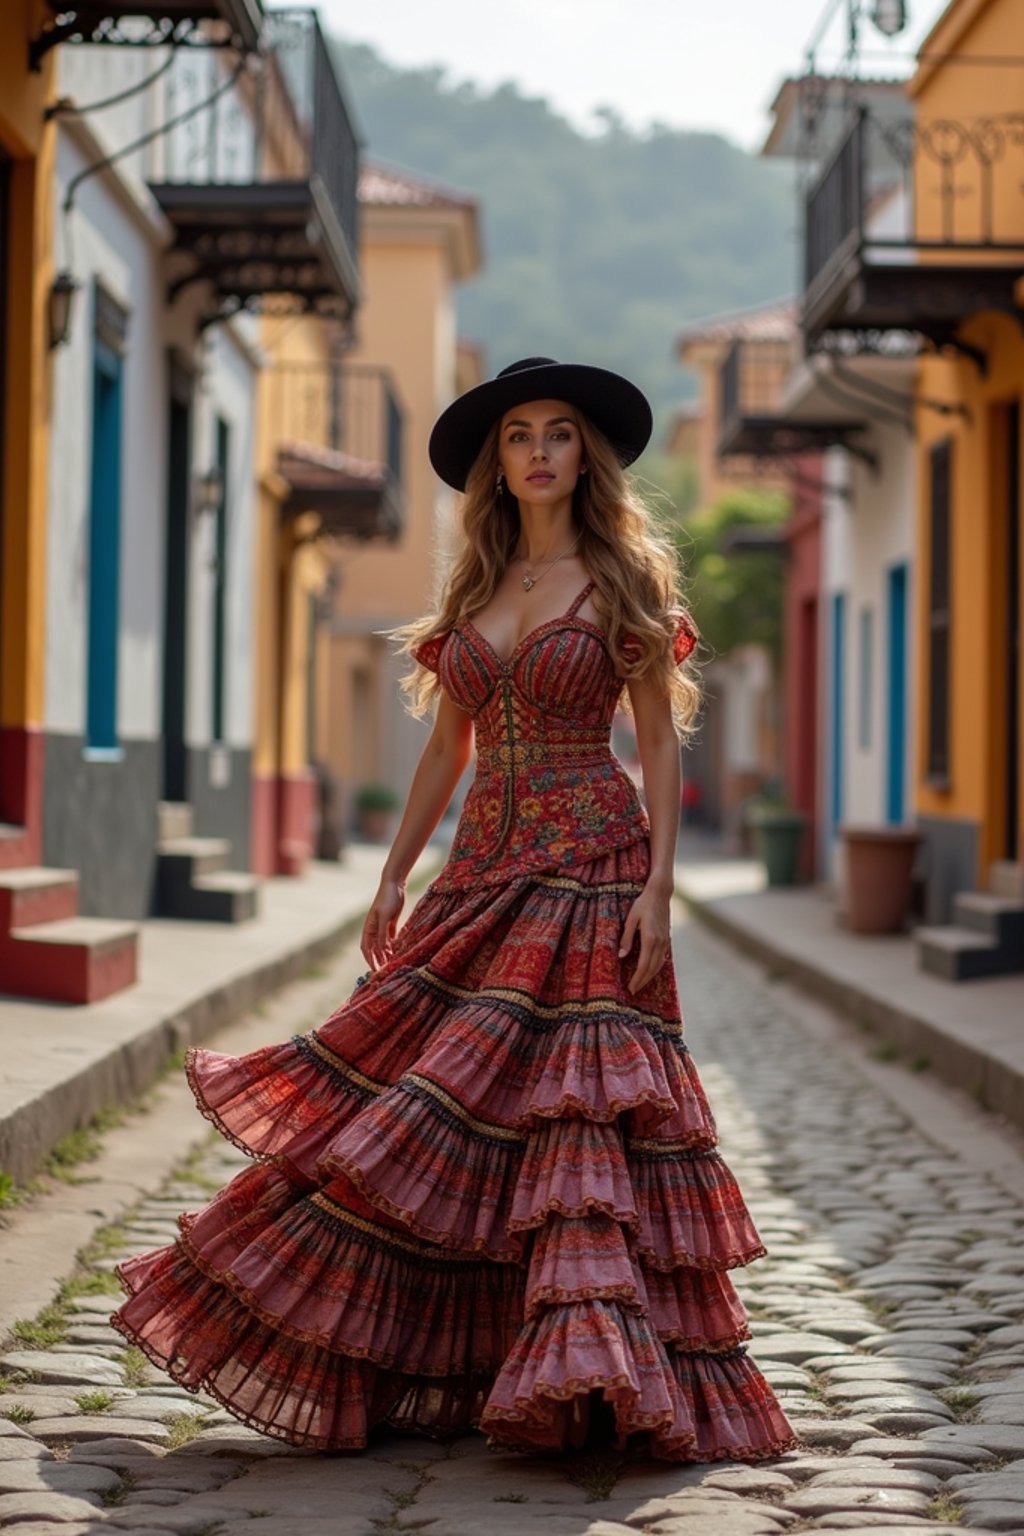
(27, 145)
(418, 241)
(970, 792)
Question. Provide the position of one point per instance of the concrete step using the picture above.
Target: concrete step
(72, 960)
(193, 884)
(173, 820)
(962, 954)
(1006, 878)
(36, 894)
(1000, 917)
(204, 854)
(229, 896)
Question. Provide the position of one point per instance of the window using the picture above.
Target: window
(938, 765)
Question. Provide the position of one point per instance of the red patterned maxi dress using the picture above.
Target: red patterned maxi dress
(487, 1185)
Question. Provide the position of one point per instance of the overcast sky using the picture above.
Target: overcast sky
(689, 63)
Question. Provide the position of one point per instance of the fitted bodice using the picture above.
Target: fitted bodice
(548, 790)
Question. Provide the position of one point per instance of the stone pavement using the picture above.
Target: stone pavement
(968, 1033)
(889, 1316)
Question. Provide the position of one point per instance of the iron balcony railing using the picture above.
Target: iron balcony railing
(896, 187)
(344, 417)
(265, 158)
(729, 386)
(298, 49)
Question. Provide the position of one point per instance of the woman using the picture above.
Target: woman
(487, 1191)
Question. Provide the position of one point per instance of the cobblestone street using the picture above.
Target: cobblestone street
(889, 1316)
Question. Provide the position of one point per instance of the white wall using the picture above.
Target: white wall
(226, 390)
(111, 243)
(116, 233)
(862, 540)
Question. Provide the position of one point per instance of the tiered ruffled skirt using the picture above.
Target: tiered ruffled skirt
(485, 1190)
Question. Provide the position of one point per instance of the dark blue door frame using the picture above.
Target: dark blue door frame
(104, 551)
(838, 734)
(896, 701)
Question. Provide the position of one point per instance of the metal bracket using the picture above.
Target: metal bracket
(978, 356)
(164, 32)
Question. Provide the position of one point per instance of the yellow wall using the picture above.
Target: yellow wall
(978, 552)
(31, 145)
(405, 323)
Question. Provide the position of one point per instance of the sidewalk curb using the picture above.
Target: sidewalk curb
(993, 1082)
(130, 1068)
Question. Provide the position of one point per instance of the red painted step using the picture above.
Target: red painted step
(48, 952)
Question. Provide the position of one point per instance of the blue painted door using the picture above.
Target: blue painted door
(104, 551)
(896, 703)
(838, 701)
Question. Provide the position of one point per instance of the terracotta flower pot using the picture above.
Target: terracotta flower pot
(879, 863)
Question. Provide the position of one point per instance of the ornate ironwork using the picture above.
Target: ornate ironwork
(261, 189)
(843, 205)
(894, 219)
(166, 23)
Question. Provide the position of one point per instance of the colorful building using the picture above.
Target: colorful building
(941, 258)
(163, 530)
(419, 241)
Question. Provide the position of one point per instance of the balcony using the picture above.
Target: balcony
(753, 425)
(339, 432)
(135, 24)
(260, 185)
(914, 226)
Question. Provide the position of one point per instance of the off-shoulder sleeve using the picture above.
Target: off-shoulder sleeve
(428, 652)
(684, 638)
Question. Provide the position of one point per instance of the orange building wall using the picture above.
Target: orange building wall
(30, 145)
(966, 93)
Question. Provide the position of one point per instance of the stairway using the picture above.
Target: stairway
(986, 937)
(48, 952)
(191, 879)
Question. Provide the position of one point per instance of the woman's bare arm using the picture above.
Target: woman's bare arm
(658, 746)
(439, 769)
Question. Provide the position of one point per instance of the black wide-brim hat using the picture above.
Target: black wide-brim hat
(616, 407)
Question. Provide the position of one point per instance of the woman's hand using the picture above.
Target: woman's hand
(648, 917)
(378, 935)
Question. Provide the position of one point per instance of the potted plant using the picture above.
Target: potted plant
(879, 868)
(375, 805)
(778, 832)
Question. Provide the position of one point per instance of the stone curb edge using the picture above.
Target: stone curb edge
(130, 1069)
(992, 1083)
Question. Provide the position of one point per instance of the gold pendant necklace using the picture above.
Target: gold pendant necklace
(531, 581)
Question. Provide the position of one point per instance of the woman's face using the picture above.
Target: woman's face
(540, 451)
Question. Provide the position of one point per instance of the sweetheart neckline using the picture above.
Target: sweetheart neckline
(563, 621)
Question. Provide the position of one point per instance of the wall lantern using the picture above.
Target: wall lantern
(62, 299)
(889, 16)
(209, 491)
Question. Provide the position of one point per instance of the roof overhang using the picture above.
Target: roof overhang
(873, 289)
(256, 238)
(352, 498)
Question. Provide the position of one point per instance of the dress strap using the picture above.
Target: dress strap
(577, 602)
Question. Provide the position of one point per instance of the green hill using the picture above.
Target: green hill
(595, 248)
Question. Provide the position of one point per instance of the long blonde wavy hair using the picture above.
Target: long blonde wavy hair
(632, 565)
